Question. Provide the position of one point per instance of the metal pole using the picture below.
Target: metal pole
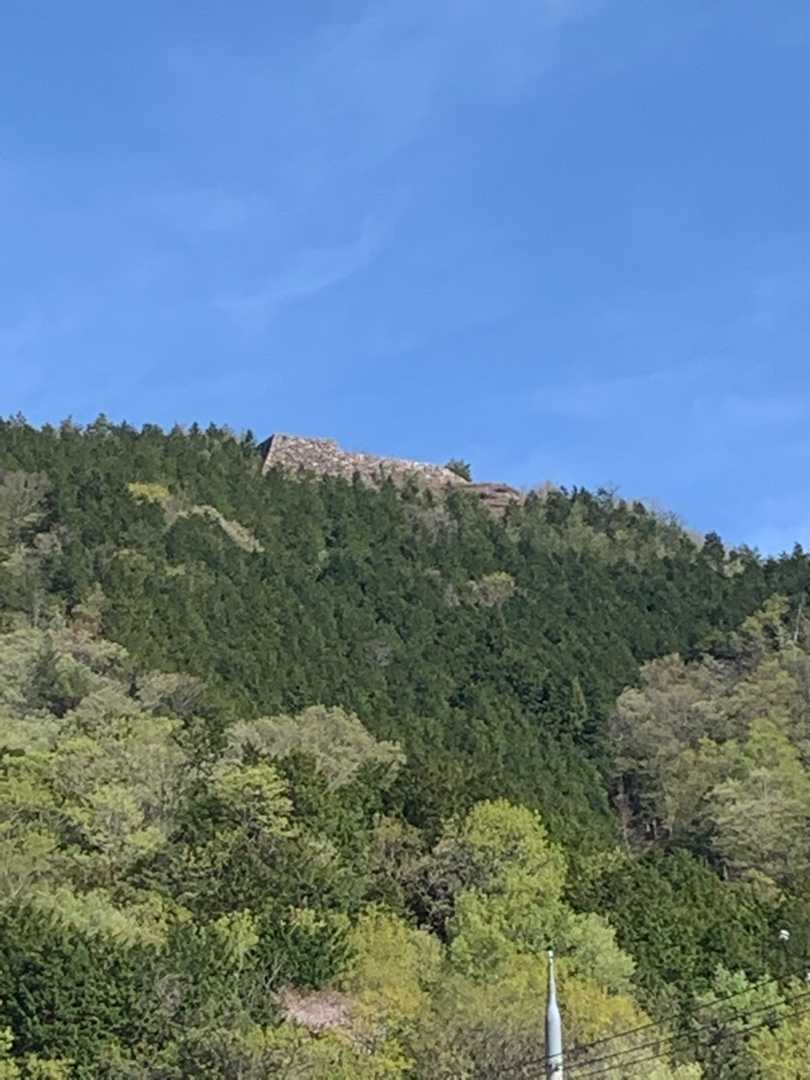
(554, 1037)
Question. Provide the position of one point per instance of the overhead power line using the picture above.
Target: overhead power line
(693, 1012)
(576, 1074)
(801, 969)
(671, 1039)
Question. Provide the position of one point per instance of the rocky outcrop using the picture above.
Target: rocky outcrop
(496, 497)
(324, 457)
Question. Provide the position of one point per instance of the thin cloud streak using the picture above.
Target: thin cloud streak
(360, 91)
(754, 410)
(370, 86)
(603, 399)
(197, 211)
(607, 399)
(310, 272)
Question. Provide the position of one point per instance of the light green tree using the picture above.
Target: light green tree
(254, 797)
(783, 1053)
(722, 1019)
(336, 740)
(762, 817)
(395, 966)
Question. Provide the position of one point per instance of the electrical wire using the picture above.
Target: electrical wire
(798, 970)
(694, 1031)
(578, 1050)
(576, 1075)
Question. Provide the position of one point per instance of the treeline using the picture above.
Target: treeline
(284, 756)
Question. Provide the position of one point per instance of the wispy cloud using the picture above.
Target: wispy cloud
(310, 272)
(314, 130)
(364, 87)
(398, 66)
(685, 388)
(612, 398)
(753, 409)
(197, 210)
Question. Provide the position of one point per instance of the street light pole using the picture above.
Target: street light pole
(554, 1038)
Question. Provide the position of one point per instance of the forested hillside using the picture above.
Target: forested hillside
(301, 778)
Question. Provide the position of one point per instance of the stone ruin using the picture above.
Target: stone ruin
(324, 457)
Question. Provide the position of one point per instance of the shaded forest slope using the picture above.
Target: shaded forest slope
(493, 650)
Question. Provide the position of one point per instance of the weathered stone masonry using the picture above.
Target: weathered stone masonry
(323, 457)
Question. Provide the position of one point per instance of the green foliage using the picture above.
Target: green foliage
(460, 468)
(304, 946)
(336, 742)
(510, 901)
(266, 740)
(252, 797)
(337, 594)
(715, 753)
(784, 1052)
(721, 1023)
(66, 995)
(149, 493)
(395, 967)
(679, 921)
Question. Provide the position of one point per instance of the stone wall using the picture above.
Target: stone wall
(324, 457)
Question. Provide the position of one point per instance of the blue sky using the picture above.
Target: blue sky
(566, 240)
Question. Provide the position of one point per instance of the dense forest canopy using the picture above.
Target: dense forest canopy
(300, 777)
